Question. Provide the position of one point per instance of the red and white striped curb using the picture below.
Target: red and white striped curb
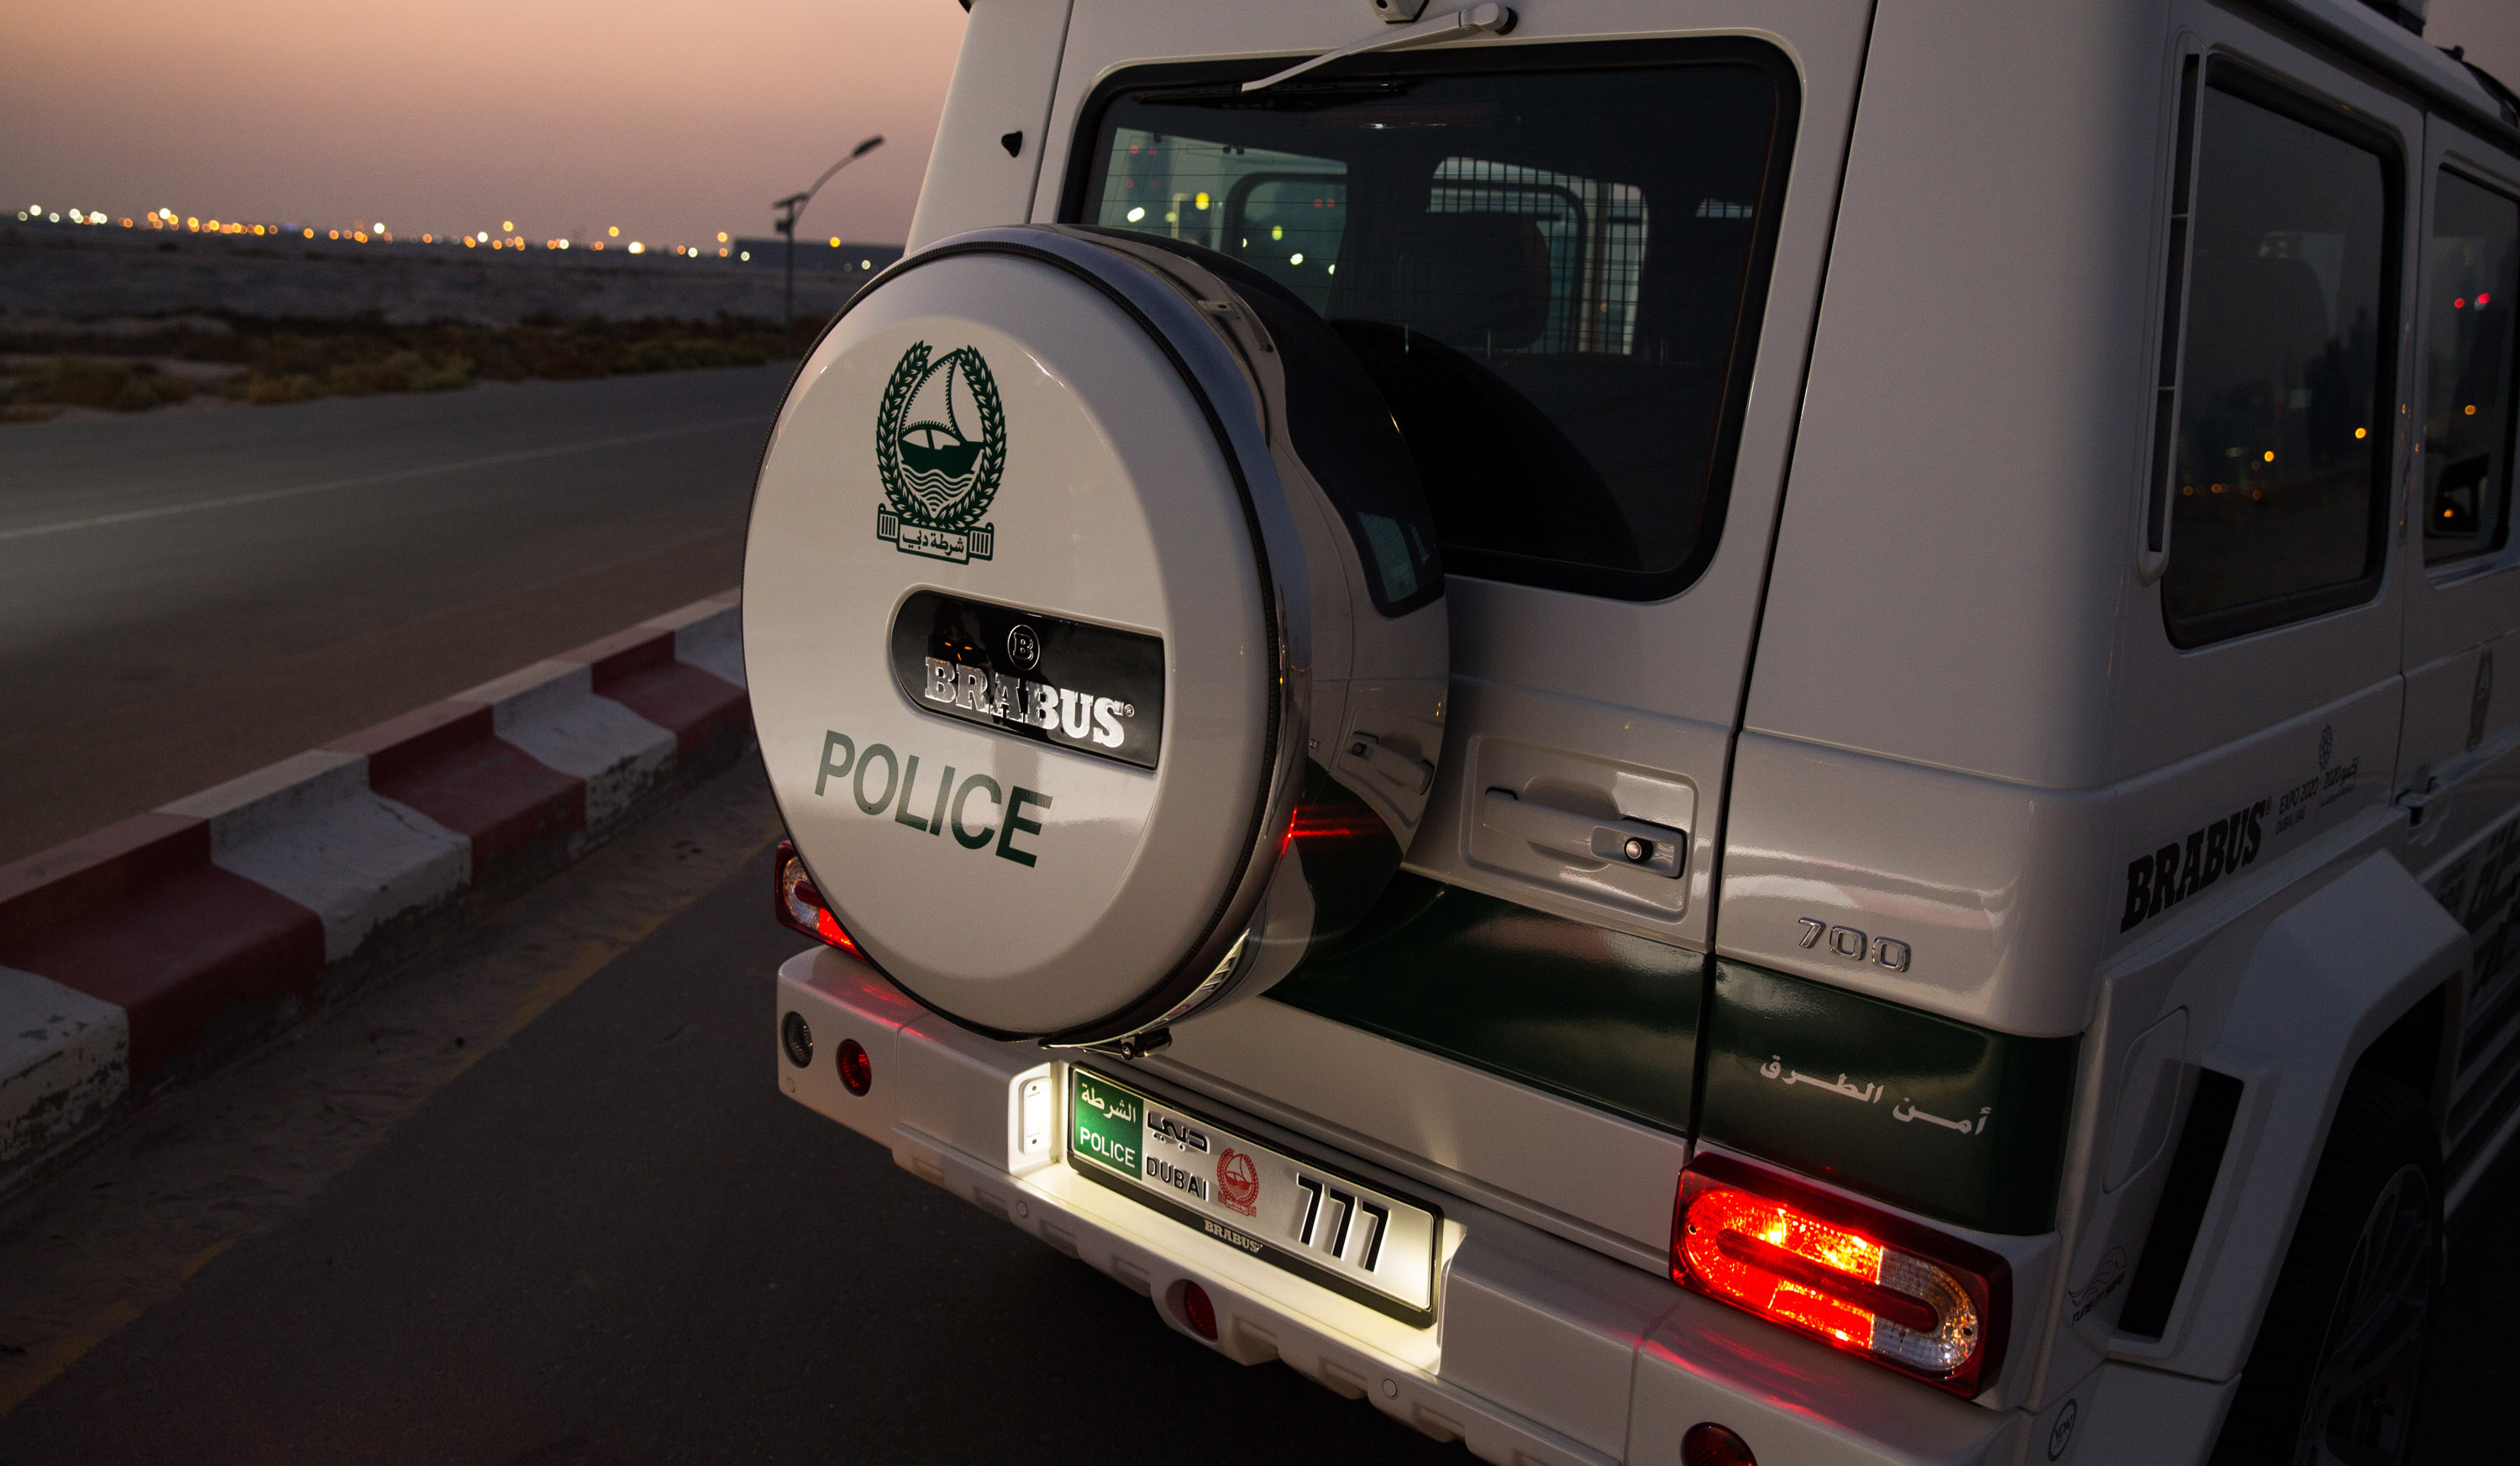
(153, 944)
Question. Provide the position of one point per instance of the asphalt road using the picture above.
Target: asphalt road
(537, 1200)
(189, 595)
(608, 1240)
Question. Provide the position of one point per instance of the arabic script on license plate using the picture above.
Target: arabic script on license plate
(1351, 1238)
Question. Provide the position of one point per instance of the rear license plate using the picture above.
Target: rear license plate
(1353, 1239)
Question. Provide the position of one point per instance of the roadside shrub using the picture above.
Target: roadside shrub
(294, 360)
(400, 372)
(271, 392)
(117, 386)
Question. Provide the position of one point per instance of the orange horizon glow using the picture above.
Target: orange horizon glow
(675, 123)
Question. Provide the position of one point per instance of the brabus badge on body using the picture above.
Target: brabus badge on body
(940, 447)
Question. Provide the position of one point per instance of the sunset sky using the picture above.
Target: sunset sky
(670, 120)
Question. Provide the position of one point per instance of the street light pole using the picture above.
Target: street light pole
(790, 208)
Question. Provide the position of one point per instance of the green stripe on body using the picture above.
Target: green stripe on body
(1600, 1017)
(1817, 1078)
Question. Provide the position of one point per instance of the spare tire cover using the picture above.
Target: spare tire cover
(1094, 688)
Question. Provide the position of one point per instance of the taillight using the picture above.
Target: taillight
(1873, 1284)
(800, 906)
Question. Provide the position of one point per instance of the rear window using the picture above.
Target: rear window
(1551, 266)
(2284, 427)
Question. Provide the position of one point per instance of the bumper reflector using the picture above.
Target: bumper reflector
(857, 1070)
(1198, 1310)
(1710, 1444)
(799, 906)
(1870, 1283)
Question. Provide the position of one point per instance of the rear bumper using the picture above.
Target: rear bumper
(1543, 1352)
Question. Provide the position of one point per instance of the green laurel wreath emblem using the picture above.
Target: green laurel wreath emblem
(973, 490)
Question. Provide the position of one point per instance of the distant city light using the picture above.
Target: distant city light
(866, 264)
(1135, 215)
(835, 241)
(379, 232)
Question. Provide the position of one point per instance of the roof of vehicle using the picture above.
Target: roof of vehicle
(2481, 99)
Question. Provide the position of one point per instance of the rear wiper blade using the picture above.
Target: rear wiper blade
(1301, 96)
(1478, 20)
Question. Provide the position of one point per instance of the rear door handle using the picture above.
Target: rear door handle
(1658, 848)
(1406, 774)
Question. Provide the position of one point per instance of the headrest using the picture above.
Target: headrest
(1478, 281)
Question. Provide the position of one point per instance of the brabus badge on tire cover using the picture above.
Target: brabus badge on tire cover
(940, 447)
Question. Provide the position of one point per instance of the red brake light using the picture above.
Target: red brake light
(799, 906)
(1870, 1283)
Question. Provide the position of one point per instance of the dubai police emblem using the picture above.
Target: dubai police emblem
(940, 446)
(1237, 1181)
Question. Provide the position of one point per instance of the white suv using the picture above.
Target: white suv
(1678, 729)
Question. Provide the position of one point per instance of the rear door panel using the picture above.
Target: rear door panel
(1581, 705)
(1592, 712)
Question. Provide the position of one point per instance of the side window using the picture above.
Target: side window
(1551, 264)
(2473, 287)
(2277, 475)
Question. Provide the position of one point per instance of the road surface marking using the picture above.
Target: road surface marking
(267, 495)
